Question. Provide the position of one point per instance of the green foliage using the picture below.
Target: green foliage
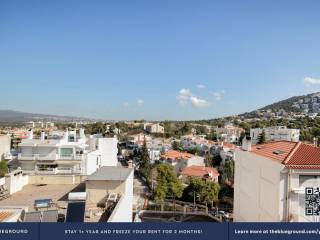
(201, 191)
(3, 168)
(94, 128)
(143, 160)
(229, 170)
(212, 136)
(262, 137)
(177, 146)
(168, 185)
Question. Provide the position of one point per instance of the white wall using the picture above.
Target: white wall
(257, 188)
(123, 210)
(89, 164)
(5, 143)
(275, 134)
(108, 148)
(15, 182)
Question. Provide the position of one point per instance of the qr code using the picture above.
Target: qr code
(312, 201)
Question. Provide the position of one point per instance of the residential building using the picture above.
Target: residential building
(138, 138)
(206, 173)
(71, 154)
(198, 142)
(271, 180)
(224, 150)
(111, 187)
(275, 134)
(154, 128)
(229, 133)
(181, 160)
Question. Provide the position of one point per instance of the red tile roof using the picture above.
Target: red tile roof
(173, 154)
(198, 171)
(291, 154)
(268, 149)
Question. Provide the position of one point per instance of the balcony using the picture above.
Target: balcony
(78, 157)
(30, 157)
(49, 157)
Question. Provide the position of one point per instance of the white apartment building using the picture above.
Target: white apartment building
(181, 160)
(154, 128)
(195, 141)
(275, 134)
(271, 180)
(71, 154)
(229, 133)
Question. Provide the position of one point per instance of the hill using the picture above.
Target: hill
(16, 116)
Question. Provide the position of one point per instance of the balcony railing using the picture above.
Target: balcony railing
(50, 157)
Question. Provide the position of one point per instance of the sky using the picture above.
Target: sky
(156, 60)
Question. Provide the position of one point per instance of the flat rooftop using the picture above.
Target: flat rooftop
(110, 173)
(29, 193)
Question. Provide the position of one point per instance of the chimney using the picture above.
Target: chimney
(246, 143)
(30, 134)
(42, 136)
(315, 142)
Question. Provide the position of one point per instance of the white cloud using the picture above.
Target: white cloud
(309, 81)
(185, 97)
(219, 95)
(201, 86)
(140, 102)
(198, 102)
(125, 104)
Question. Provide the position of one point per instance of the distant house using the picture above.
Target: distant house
(72, 154)
(271, 181)
(181, 160)
(193, 141)
(224, 150)
(275, 134)
(229, 133)
(138, 138)
(206, 173)
(154, 128)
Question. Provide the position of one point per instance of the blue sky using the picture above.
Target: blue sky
(168, 59)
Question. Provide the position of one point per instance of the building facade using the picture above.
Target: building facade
(72, 154)
(275, 134)
(271, 181)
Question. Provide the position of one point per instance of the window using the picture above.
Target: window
(66, 152)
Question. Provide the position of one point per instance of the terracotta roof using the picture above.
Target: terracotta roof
(4, 215)
(173, 154)
(291, 154)
(198, 171)
(278, 150)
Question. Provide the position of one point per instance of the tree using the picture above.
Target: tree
(212, 135)
(229, 170)
(210, 192)
(3, 168)
(144, 159)
(177, 146)
(201, 191)
(194, 189)
(262, 137)
(168, 185)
